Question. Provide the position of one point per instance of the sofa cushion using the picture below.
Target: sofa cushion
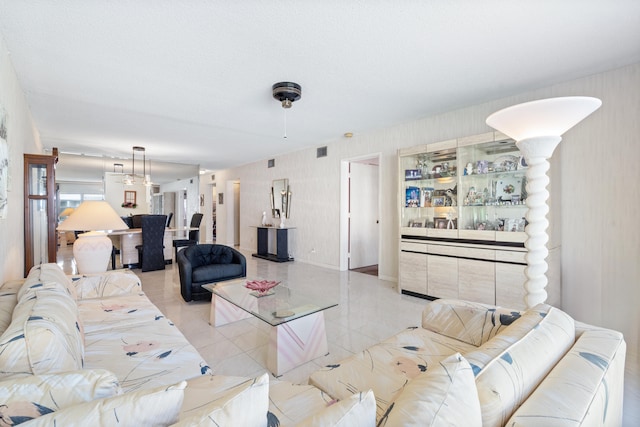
(582, 389)
(243, 405)
(156, 407)
(471, 322)
(387, 367)
(358, 410)
(444, 395)
(144, 354)
(106, 285)
(508, 380)
(211, 272)
(44, 336)
(99, 314)
(8, 301)
(290, 403)
(30, 397)
(493, 348)
(45, 273)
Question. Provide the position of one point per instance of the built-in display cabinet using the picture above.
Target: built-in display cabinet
(462, 219)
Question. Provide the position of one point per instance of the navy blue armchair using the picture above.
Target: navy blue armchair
(207, 263)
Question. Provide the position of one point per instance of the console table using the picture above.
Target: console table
(282, 244)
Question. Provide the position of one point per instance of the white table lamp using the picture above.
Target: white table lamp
(92, 250)
(537, 127)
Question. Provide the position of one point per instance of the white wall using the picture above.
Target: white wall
(598, 184)
(22, 137)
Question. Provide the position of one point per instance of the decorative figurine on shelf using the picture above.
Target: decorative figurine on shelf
(264, 218)
(450, 220)
(482, 166)
(469, 169)
(452, 196)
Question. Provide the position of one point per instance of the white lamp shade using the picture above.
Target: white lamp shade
(92, 215)
(66, 212)
(544, 117)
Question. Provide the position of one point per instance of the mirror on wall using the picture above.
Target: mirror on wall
(280, 198)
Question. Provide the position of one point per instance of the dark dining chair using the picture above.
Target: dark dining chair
(151, 251)
(194, 235)
(169, 217)
(136, 221)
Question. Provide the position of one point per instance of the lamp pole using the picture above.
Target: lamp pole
(536, 152)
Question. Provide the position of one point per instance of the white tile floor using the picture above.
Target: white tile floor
(369, 310)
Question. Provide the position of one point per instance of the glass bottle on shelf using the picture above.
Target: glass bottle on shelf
(429, 190)
(492, 191)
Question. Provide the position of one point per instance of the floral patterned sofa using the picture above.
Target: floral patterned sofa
(472, 364)
(93, 350)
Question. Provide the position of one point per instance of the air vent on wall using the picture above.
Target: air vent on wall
(321, 152)
(271, 163)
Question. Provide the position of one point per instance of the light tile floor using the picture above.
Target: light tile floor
(369, 310)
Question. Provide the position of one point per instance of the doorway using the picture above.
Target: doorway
(214, 216)
(233, 213)
(360, 207)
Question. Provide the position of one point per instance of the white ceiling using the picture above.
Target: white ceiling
(191, 80)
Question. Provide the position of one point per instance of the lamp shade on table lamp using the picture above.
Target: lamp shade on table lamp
(66, 212)
(92, 249)
(537, 127)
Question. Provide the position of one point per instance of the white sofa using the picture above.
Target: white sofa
(93, 350)
(472, 364)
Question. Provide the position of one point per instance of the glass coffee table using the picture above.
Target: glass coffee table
(297, 332)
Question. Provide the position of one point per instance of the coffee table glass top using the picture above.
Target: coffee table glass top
(282, 306)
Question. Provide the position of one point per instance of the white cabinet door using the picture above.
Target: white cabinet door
(413, 272)
(442, 276)
(510, 291)
(476, 280)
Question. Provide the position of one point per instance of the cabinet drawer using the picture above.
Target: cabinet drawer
(413, 247)
(477, 234)
(488, 254)
(443, 250)
(511, 256)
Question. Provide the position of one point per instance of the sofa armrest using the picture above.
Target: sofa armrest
(185, 270)
(584, 388)
(238, 258)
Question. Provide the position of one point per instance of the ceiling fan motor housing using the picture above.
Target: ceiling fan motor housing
(287, 93)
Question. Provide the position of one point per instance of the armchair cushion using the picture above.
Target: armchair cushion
(204, 273)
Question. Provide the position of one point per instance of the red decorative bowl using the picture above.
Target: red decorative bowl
(261, 286)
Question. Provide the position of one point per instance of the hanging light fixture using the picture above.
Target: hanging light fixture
(287, 93)
(131, 179)
(147, 177)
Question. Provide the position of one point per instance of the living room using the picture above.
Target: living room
(600, 237)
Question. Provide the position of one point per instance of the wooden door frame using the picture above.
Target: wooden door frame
(50, 198)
